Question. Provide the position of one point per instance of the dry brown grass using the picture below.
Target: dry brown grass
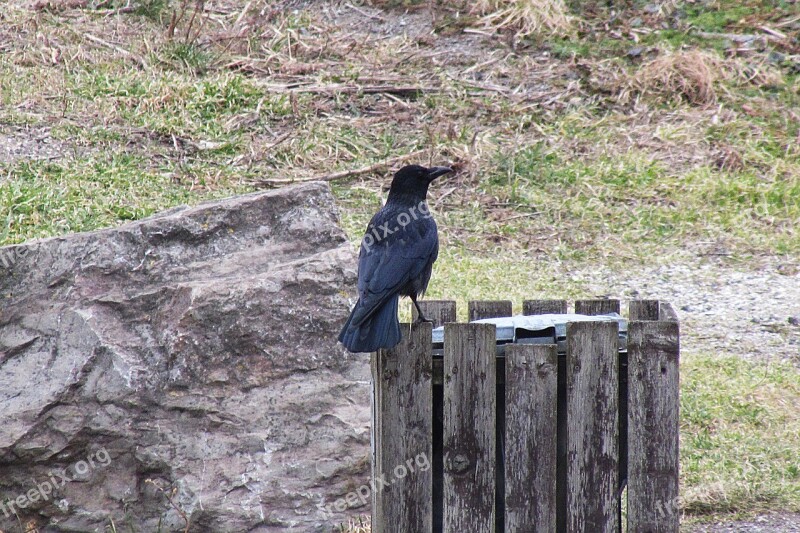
(694, 76)
(526, 17)
(690, 75)
(361, 524)
(675, 77)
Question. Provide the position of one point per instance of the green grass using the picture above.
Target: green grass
(723, 14)
(41, 199)
(718, 19)
(627, 202)
(565, 48)
(173, 102)
(739, 427)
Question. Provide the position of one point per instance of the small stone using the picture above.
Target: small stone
(635, 52)
(776, 57)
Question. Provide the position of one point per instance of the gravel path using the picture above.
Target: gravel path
(772, 523)
(724, 310)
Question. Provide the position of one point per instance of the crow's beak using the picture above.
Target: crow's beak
(435, 172)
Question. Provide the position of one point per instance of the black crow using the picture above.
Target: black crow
(396, 258)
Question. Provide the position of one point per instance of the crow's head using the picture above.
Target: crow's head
(413, 180)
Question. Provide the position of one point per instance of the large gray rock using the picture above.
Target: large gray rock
(184, 367)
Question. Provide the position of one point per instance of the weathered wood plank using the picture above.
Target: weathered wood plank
(643, 310)
(596, 307)
(592, 427)
(653, 425)
(530, 454)
(469, 428)
(405, 433)
(480, 309)
(376, 440)
(544, 307)
(637, 310)
(439, 311)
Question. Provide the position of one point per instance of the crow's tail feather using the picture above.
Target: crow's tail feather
(381, 330)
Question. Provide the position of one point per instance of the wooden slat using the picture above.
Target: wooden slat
(544, 307)
(637, 310)
(405, 435)
(469, 428)
(592, 427)
(643, 310)
(480, 309)
(376, 440)
(596, 307)
(653, 425)
(530, 455)
(439, 311)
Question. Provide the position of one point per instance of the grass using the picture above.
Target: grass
(739, 424)
(722, 15)
(570, 150)
(629, 202)
(526, 17)
(48, 198)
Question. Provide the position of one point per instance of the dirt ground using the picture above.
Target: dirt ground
(31, 143)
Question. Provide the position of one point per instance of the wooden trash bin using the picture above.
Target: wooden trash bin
(528, 437)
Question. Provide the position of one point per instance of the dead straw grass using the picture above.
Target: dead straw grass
(690, 75)
(362, 524)
(526, 17)
(695, 76)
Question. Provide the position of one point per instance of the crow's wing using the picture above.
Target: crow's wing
(386, 266)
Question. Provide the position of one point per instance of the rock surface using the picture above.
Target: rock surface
(184, 368)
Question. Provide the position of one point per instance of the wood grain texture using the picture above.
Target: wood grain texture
(653, 426)
(469, 428)
(439, 311)
(596, 307)
(643, 310)
(376, 439)
(406, 432)
(530, 455)
(480, 309)
(544, 307)
(592, 427)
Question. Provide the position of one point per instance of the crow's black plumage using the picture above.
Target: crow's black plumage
(396, 258)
